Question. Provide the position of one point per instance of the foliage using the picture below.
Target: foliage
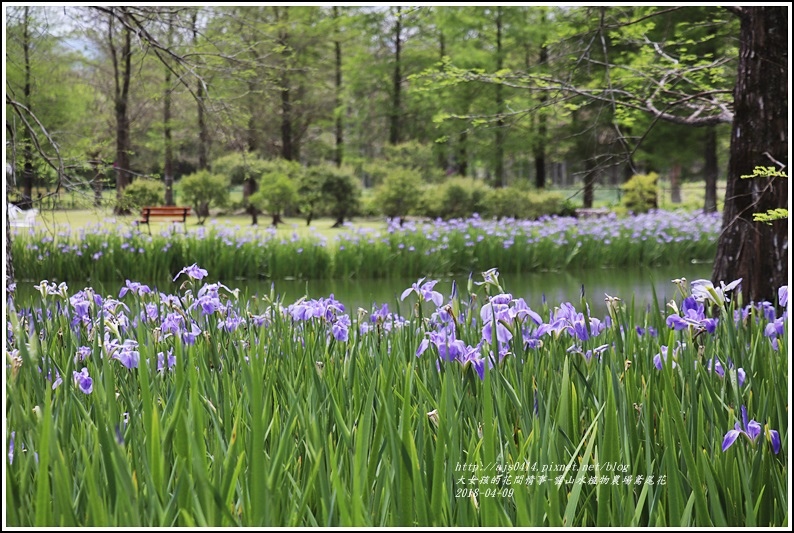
(400, 193)
(239, 167)
(276, 193)
(143, 192)
(415, 155)
(341, 192)
(203, 190)
(771, 215)
(640, 193)
(525, 204)
(455, 198)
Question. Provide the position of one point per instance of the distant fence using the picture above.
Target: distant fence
(613, 194)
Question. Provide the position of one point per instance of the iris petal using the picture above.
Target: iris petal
(730, 438)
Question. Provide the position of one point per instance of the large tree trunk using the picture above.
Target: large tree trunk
(27, 142)
(499, 141)
(394, 124)
(540, 141)
(286, 105)
(754, 251)
(122, 77)
(168, 165)
(710, 169)
(204, 136)
(338, 92)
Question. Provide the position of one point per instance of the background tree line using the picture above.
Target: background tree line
(510, 96)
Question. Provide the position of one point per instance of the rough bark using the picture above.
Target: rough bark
(754, 251)
(710, 169)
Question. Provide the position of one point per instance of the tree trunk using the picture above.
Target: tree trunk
(710, 170)
(250, 186)
(499, 141)
(753, 251)
(540, 142)
(338, 94)
(286, 106)
(204, 137)
(122, 78)
(97, 182)
(9, 255)
(27, 142)
(252, 136)
(462, 159)
(589, 182)
(394, 125)
(168, 165)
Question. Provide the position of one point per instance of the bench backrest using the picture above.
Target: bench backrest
(165, 210)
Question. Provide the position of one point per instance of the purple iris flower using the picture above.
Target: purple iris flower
(446, 344)
(471, 356)
(193, 272)
(425, 292)
(773, 330)
(260, 320)
(161, 360)
(650, 330)
(11, 447)
(716, 367)
(750, 429)
(172, 323)
(662, 356)
(704, 290)
(127, 353)
(341, 328)
(135, 288)
(83, 380)
(692, 315)
(782, 296)
(189, 337)
(232, 322)
(82, 353)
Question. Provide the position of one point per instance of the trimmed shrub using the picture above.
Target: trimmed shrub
(640, 193)
(276, 194)
(203, 189)
(400, 193)
(143, 192)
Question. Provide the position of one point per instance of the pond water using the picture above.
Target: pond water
(556, 287)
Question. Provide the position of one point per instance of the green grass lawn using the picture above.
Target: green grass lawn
(77, 219)
(76, 210)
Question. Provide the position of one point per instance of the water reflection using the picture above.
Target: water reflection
(555, 287)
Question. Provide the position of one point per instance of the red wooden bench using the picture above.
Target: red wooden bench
(176, 214)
